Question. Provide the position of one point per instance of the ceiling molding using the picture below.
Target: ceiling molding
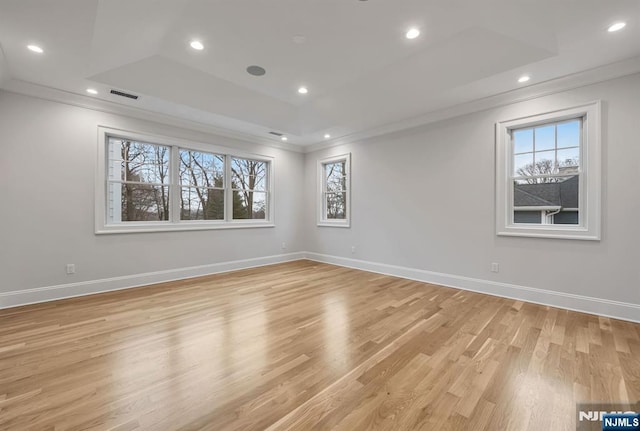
(546, 88)
(87, 102)
(565, 83)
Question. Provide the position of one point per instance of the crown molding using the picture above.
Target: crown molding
(87, 102)
(568, 82)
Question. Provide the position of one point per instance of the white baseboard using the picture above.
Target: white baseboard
(585, 304)
(70, 290)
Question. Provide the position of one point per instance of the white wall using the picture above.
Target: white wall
(47, 164)
(424, 199)
(4, 69)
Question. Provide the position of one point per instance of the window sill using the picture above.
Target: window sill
(182, 227)
(579, 233)
(334, 224)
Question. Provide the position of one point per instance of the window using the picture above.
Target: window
(548, 174)
(201, 185)
(138, 181)
(149, 183)
(249, 184)
(334, 191)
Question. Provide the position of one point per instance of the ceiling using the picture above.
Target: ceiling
(361, 72)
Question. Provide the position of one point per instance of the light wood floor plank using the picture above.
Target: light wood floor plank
(304, 345)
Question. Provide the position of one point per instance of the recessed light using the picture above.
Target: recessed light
(616, 26)
(327, 136)
(196, 44)
(524, 78)
(303, 90)
(92, 91)
(35, 48)
(412, 33)
(284, 138)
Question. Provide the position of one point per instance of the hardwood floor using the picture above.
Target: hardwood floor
(305, 346)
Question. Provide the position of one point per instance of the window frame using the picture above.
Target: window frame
(103, 226)
(322, 219)
(589, 172)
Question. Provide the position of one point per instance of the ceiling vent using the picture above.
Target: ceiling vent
(275, 133)
(123, 94)
(256, 70)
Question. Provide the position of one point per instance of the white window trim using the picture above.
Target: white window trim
(590, 176)
(322, 220)
(101, 223)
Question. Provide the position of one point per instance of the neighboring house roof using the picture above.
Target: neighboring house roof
(563, 194)
(569, 193)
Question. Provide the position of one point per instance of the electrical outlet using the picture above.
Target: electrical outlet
(71, 268)
(495, 267)
(284, 245)
(353, 249)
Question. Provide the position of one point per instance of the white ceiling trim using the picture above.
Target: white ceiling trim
(581, 79)
(565, 83)
(87, 102)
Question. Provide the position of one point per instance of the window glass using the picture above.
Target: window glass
(249, 185)
(201, 185)
(149, 186)
(334, 191)
(546, 179)
(138, 181)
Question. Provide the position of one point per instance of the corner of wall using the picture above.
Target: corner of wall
(4, 69)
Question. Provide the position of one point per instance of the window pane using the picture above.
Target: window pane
(569, 192)
(138, 161)
(569, 134)
(566, 217)
(523, 141)
(258, 182)
(335, 176)
(141, 202)
(336, 183)
(548, 198)
(201, 204)
(337, 186)
(545, 137)
(523, 164)
(249, 205)
(336, 205)
(546, 161)
(569, 160)
(249, 174)
(534, 217)
(201, 169)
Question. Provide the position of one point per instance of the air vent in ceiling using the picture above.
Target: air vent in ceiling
(275, 133)
(123, 94)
